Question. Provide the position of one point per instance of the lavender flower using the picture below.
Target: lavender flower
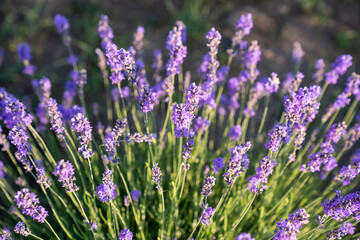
(177, 51)
(244, 236)
(187, 149)
(297, 53)
(339, 67)
(289, 228)
(42, 178)
(105, 32)
(353, 86)
(201, 124)
(258, 181)
(209, 183)
(218, 164)
(213, 38)
(235, 133)
(20, 228)
(341, 101)
(349, 172)
(156, 175)
(125, 234)
(352, 136)
(346, 229)
(81, 125)
(206, 215)
(158, 63)
(66, 171)
(253, 55)
(245, 24)
(62, 24)
(318, 76)
(146, 100)
(181, 118)
(23, 52)
(272, 83)
(135, 194)
(139, 38)
(55, 119)
(92, 225)
(28, 202)
(139, 137)
(238, 162)
(5, 234)
(279, 133)
(13, 112)
(341, 207)
(335, 132)
(19, 138)
(107, 190)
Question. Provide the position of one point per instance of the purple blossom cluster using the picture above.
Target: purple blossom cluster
(62, 24)
(177, 51)
(235, 133)
(289, 228)
(206, 215)
(92, 225)
(81, 125)
(301, 107)
(297, 53)
(238, 162)
(281, 132)
(339, 67)
(28, 202)
(318, 76)
(346, 229)
(140, 137)
(257, 183)
(24, 54)
(201, 124)
(340, 207)
(66, 173)
(156, 175)
(125, 234)
(209, 183)
(218, 164)
(42, 178)
(135, 195)
(105, 32)
(106, 191)
(19, 138)
(352, 136)
(146, 100)
(272, 83)
(112, 138)
(55, 119)
(187, 149)
(244, 236)
(20, 228)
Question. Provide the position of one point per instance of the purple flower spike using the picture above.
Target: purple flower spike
(146, 100)
(209, 183)
(265, 169)
(213, 38)
(62, 24)
(289, 228)
(135, 194)
(81, 125)
(125, 234)
(92, 225)
(244, 236)
(55, 119)
(245, 24)
(238, 162)
(156, 175)
(66, 172)
(346, 229)
(23, 52)
(279, 133)
(20, 228)
(107, 190)
(272, 83)
(297, 53)
(28, 202)
(235, 133)
(105, 32)
(206, 215)
(218, 164)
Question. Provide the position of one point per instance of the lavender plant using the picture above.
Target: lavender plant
(219, 154)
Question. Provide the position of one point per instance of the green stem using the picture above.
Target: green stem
(52, 229)
(264, 114)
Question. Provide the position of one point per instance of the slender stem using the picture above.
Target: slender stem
(52, 229)
(36, 236)
(326, 84)
(163, 213)
(115, 224)
(163, 130)
(264, 114)
(82, 209)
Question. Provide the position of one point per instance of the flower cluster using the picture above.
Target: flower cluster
(278, 133)
(28, 202)
(346, 229)
(238, 162)
(258, 181)
(235, 133)
(348, 172)
(81, 125)
(206, 214)
(107, 190)
(19, 138)
(24, 54)
(244, 236)
(125, 234)
(156, 175)
(66, 171)
(177, 51)
(218, 164)
(209, 183)
(339, 67)
(55, 119)
(20, 228)
(289, 228)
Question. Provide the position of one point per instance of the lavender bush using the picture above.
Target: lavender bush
(224, 153)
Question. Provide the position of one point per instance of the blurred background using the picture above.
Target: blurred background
(325, 29)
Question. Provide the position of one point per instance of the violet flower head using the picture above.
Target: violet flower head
(105, 32)
(218, 164)
(257, 183)
(135, 195)
(348, 172)
(187, 149)
(28, 202)
(125, 234)
(209, 183)
(19, 138)
(23, 52)
(272, 83)
(335, 132)
(244, 236)
(62, 24)
(92, 225)
(106, 191)
(206, 215)
(42, 178)
(339, 67)
(177, 51)
(297, 53)
(181, 119)
(158, 62)
(353, 86)
(156, 175)
(317, 160)
(238, 162)
(146, 100)
(340, 207)
(201, 124)
(318, 76)
(140, 137)
(55, 119)
(20, 228)
(253, 55)
(13, 112)
(245, 24)
(341, 101)
(279, 133)
(289, 228)
(346, 229)
(138, 42)
(235, 133)
(66, 173)
(352, 136)
(213, 38)
(81, 125)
